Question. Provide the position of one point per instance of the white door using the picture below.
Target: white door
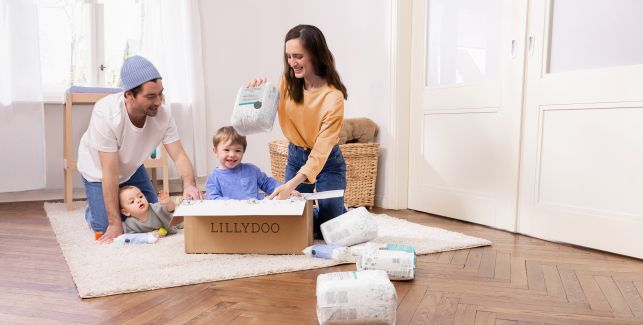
(466, 89)
(582, 163)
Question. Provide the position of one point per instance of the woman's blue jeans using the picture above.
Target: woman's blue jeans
(331, 177)
(95, 212)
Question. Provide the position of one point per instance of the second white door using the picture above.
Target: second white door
(467, 79)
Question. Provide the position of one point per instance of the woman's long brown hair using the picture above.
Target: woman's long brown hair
(322, 59)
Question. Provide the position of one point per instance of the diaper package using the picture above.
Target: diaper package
(255, 109)
(364, 297)
(398, 261)
(353, 227)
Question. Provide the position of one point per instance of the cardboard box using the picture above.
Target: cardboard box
(264, 227)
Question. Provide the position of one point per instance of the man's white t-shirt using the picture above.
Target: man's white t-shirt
(110, 130)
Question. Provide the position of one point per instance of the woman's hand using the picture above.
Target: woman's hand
(282, 192)
(256, 82)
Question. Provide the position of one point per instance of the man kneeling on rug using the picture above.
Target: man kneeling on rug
(124, 129)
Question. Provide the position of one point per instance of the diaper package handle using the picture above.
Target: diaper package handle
(255, 109)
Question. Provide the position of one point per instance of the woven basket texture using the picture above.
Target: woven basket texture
(361, 169)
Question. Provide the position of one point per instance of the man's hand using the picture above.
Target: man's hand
(113, 231)
(192, 191)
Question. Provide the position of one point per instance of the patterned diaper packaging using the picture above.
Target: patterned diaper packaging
(363, 297)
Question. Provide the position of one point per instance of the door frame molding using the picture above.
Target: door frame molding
(396, 170)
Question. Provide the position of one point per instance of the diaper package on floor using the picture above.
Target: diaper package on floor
(398, 261)
(353, 227)
(364, 297)
(255, 109)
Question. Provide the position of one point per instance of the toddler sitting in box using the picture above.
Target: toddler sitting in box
(235, 180)
(143, 216)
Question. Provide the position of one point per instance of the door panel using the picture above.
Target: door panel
(467, 61)
(580, 168)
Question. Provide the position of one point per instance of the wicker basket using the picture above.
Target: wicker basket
(361, 169)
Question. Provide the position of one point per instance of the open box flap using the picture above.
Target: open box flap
(211, 208)
(291, 207)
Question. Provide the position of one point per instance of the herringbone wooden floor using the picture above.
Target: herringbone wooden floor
(518, 280)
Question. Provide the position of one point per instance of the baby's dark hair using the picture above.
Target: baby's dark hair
(126, 187)
(228, 133)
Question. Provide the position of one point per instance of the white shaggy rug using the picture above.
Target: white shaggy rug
(102, 270)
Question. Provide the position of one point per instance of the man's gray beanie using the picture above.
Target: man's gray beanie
(136, 71)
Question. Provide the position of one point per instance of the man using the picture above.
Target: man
(123, 131)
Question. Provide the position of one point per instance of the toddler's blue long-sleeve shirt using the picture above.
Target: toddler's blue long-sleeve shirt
(239, 183)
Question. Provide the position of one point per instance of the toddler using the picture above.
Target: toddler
(235, 180)
(143, 216)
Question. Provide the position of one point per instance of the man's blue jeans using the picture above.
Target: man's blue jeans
(95, 212)
(331, 177)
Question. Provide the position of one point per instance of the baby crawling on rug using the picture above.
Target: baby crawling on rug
(143, 216)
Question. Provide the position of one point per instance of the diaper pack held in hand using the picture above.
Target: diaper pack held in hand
(364, 297)
(255, 109)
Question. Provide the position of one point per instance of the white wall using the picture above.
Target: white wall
(244, 39)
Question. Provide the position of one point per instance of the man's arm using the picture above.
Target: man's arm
(184, 167)
(109, 166)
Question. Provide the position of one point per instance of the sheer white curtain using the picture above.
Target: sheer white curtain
(171, 39)
(22, 159)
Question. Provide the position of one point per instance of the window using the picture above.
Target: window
(464, 44)
(84, 43)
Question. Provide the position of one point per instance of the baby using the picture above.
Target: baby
(235, 180)
(143, 216)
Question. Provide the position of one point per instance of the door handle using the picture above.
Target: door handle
(530, 44)
(513, 48)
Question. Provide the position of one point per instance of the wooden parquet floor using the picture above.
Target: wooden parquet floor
(518, 280)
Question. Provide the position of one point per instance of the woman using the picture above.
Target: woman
(311, 111)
